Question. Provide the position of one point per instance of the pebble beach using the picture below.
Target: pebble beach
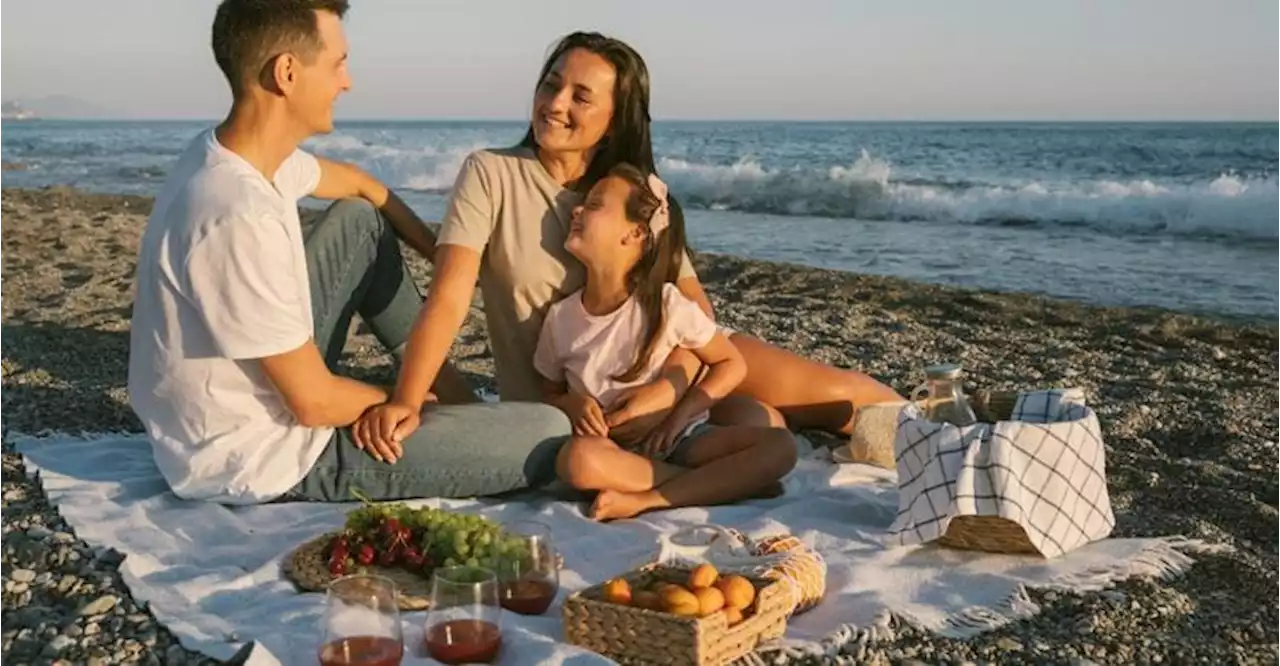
(1187, 404)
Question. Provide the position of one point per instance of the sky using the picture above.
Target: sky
(709, 59)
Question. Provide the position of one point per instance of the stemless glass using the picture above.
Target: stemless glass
(528, 574)
(362, 623)
(464, 624)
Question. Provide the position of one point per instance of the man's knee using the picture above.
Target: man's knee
(355, 210)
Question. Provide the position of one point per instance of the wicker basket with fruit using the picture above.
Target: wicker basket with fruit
(673, 615)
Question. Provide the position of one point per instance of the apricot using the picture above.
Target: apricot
(679, 601)
(738, 591)
(617, 591)
(647, 599)
(732, 615)
(710, 600)
(704, 575)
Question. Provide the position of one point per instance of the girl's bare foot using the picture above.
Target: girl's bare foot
(614, 504)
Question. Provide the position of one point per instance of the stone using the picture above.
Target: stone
(1008, 644)
(100, 605)
(175, 656)
(22, 575)
(59, 644)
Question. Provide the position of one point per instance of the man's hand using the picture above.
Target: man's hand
(382, 429)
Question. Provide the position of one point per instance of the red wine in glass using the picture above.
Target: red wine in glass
(464, 641)
(528, 568)
(362, 623)
(362, 651)
(528, 597)
(464, 624)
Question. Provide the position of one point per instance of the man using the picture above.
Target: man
(241, 312)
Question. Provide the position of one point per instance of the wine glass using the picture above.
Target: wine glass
(464, 624)
(362, 622)
(528, 571)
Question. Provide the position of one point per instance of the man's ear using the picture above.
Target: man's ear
(280, 73)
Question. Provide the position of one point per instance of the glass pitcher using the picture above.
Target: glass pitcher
(943, 399)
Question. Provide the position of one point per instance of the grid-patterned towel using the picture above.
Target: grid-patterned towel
(1043, 469)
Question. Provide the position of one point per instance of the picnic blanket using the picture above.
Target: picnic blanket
(211, 574)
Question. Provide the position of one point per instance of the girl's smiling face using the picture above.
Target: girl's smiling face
(600, 233)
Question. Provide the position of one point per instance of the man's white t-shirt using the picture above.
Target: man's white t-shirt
(222, 281)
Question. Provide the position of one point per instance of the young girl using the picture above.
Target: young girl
(613, 336)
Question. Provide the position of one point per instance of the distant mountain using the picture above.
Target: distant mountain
(15, 111)
(55, 106)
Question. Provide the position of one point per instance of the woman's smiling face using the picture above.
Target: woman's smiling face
(573, 105)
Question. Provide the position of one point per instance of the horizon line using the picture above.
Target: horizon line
(444, 119)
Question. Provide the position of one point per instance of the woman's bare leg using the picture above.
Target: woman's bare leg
(809, 394)
(730, 463)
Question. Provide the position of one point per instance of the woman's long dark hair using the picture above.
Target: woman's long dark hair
(658, 265)
(628, 140)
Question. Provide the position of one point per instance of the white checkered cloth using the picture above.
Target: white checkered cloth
(1043, 469)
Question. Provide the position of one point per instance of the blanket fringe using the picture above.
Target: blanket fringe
(1165, 558)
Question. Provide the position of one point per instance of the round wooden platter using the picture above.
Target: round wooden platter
(308, 568)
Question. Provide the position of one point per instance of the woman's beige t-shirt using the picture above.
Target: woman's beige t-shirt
(508, 208)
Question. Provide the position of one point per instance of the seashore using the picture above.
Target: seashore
(1187, 405)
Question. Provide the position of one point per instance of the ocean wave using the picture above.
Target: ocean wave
(1227, 206)
(421, 168)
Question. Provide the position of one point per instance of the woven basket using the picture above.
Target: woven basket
(804, 570)
(632, 635)
(308, 569)
(991, 534)
(873, 431)
(784, 558)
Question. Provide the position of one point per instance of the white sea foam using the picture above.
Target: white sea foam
(1227, 205)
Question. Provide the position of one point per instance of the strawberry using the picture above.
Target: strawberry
(366, 555)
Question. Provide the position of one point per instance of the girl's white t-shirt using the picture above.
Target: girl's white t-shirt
(586, 350)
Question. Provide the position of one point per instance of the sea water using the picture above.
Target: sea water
(1176, 215)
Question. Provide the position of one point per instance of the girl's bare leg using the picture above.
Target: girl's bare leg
(729, 463)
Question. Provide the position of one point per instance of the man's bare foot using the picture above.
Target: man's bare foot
(614, 504)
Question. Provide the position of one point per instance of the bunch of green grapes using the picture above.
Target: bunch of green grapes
(443, 538)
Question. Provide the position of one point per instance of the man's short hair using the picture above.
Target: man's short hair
(248, 33)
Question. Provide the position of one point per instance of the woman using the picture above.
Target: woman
(506, 225)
